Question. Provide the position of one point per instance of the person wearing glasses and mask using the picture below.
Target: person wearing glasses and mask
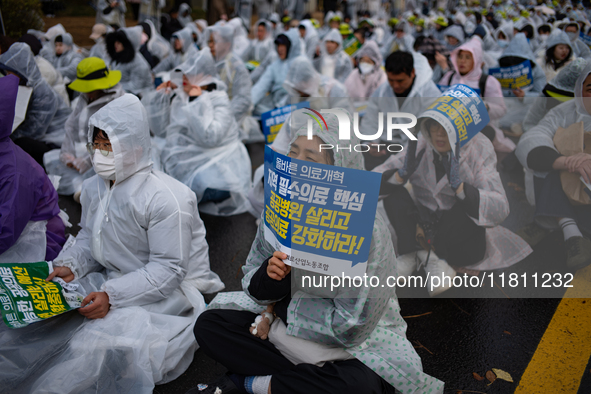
(142, 260)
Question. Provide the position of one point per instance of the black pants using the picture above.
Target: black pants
(224, 336)
(457, 239)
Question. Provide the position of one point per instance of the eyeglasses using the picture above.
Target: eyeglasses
(104, 148)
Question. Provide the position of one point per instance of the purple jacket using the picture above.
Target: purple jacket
(25, 190)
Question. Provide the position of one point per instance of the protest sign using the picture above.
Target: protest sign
(274, 119)
(519, 76)
(351, 45)
(320, 215)
(585, 38)
(444, 88)
(25, 296)
(461, 112)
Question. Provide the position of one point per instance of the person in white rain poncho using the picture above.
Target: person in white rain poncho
(98, 87)
(459, 203)
(141, 230)
(454, 37)
(46, 114)
(231, 71)
(538, 153)
(241, 42)
(354, 339)
(400, 40)
(203, 148)
(66, 59)
(579, 47)
(262, 50)
(268, 92)
(310, 35)
(184, 17)
(123, 48)
(111, 12)
(368, 75)
(183, 48)
(558, 54)
(152, 42)
(333, 61)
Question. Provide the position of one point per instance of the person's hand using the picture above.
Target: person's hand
(518, 92)
(192, 90)
(441, 60)
(262, 328)
(411, 161)
(573, 162)
(82, 164)
(584, 169)
(67, 159)
(452, 168)
(166, 85)
(61, 272)
(99, 307)
(277, 269)
(224, 17)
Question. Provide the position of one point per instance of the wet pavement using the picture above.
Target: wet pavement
(543, 343)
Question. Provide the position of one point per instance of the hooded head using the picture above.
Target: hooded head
(219, 39)
(9, 88)
(557, 37)
(184, 8)
(371, 50)
(456, 32)
(302, 79)
(131, 40)
(310, 29)
(474, 47)
(507, 30)
(267, 29)
(125, 122)
(583, 90)
(517, 52)
(20, 60)
(199, 68)
(55, 31)
(340, 158)
(185, 36)
(295, 48)
(334, 36)
(572, 31)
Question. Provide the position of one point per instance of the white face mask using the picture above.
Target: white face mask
(503, 43)
(365, 68)
(572, 36)
(104, 166)
(543, 37)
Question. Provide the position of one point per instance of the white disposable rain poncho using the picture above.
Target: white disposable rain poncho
(337, 65)
(48, 49)
(74, 146)
(311, 38)
(556, 37)
(303, 78)
(135, 75)
(67, 62)
(241, 42)
(478, 167)
(278, 29)
(423, 93)
(580, 48)
(456, 32)
(520, 24)
(563, 115)
(272, 79)
(145, 235)
(261, 51)
(99, 49)
(519, 47)
(175, 59)
(184, 8)
(364, 85)
(203, 148)
(53, 78)
(507, 29)
(364, 322)
(563, 84)
(393, 43)
(157, 45)
(115, 17)
(231, 71)
(47, 112)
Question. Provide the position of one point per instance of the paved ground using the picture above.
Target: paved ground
(543, 343)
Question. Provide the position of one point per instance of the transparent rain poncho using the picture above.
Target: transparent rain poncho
(136, 77)
(46, 113)
(174, 59)
(366, 322)
(143, 243)
(337, 65)
(66, 63)
(203, 148)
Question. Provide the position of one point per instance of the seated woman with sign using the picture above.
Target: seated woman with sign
(141, 258)
(557, 150)
(203, 148)
(517, 52)
(467, 63)
(458, 202)
(346, 340)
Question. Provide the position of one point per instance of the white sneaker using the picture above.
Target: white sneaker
(440, 268)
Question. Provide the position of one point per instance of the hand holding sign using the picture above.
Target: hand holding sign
(452, 168)
(277, 269)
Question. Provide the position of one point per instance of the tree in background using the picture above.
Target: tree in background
(20, 16)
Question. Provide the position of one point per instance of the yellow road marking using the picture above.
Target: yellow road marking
(562, 355)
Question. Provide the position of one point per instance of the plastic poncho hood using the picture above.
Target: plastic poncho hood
(223, 37)
(475, 48)
(559, 37)
(19, 58)
(200, 69)
(567, 77)
(580, 100)
(371, 50)
(302, 77)
(519, 47)
(185, 35)
(134, 35)
(126, 123)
